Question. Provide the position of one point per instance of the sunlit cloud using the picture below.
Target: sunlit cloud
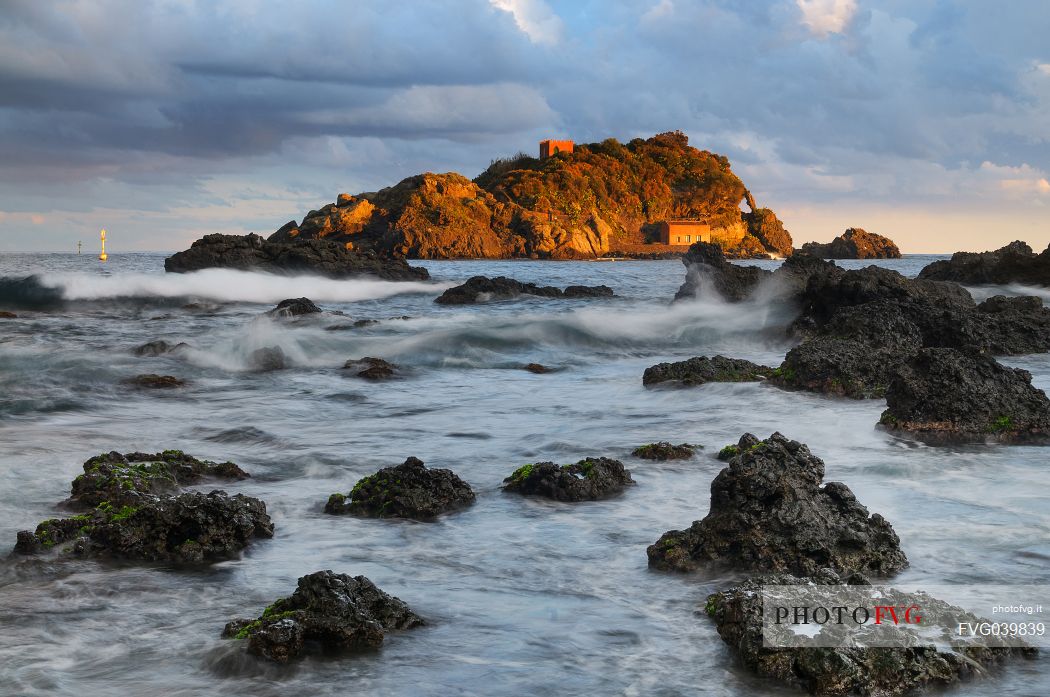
(824, 17)
(535, 18)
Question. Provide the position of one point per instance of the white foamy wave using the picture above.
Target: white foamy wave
(228, 285)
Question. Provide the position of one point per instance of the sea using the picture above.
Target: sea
(521, 596)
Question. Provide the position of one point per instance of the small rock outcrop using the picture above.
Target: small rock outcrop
(125, 479)
(665, 451)
(942, 394)
(1014, 263)
(371, 368)
(158, 348)
(708, 270)
(294, 307)
(190, 528)
(481, 289)
(855, 243)
(314, 256)
(328, 612)
(851, 670)
(410, 490)
(587, 480)
(4, 314)
(538, 368)
(770, 513)
(152, 381)
(700, 370)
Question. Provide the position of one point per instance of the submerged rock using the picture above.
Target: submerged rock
(707, 268)
(769, 512)
(152, 381)
(700, 370)
(853, 670)
(328, 612)
(587, 480)
(538, 368)
(313, 256)
(294, 307)
(480, 289)
(188, 528)
(371, 368)
(4, 314)
(158, 348)
(409, 490)
(946, 395)
(267, 359)
(665, 451)
(855, 243)
(125, 479)
(1014, 263)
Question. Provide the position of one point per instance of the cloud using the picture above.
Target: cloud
(535, 18)
(824, 17)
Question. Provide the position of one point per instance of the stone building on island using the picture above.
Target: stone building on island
(683, 232)
(549, 147)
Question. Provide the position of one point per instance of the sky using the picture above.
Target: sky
(164, 120)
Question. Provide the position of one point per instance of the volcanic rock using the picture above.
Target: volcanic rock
(851, 670)
(587, 480)
(665, 451)
(700, 370)
(371, 368)
(328, 612)
(158, 348)
(267, 359)
(1014, 263)
(942, 394)
(294, 307)
(153, 381)
(855, 243)
(707, 270)
(409, 490)
(769, 512)
(480, 289)
(313, 256)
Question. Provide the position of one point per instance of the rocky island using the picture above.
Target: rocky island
(855, 243)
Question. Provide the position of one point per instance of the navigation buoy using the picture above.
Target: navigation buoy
(103, 256)
(79, 245)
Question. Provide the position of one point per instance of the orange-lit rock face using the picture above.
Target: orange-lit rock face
(684, 232)
(549, 147)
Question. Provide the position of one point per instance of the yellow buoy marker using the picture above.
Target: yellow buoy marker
(103, 256)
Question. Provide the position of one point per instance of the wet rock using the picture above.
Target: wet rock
(158, 348)
(189, 528)
(853, 670)
(942, 394)
(538, 368)
(4, 314)
(267, 359)
(481, 289)
(700, 370)
(295, 256)
(152, 381)
(294, 307)
(328, 612)
(855, 243)
(769, 512)
(410, 490)
(587, 480)
(665, 451)
(124, 479)
(365, 323)
(707, 270)
(371, 368)
(1014, 263)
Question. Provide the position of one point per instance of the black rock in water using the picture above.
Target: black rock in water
(410, 490)
(294, 307)
(124, 479)
(942, 394)
(189, 528)
(587, 480)
(158, 348)
(700, 370)
(152, 381)
(328, 612)
(313, 256)
(770, 513)
(480, 289)
(665, 451)
(371, 368)
(267, 359)
(851, 670)
(1014, 263)
(707, 269)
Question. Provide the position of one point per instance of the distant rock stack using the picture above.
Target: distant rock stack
(855, 243)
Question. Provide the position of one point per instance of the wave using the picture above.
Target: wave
(28, 293)
(221, 285)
